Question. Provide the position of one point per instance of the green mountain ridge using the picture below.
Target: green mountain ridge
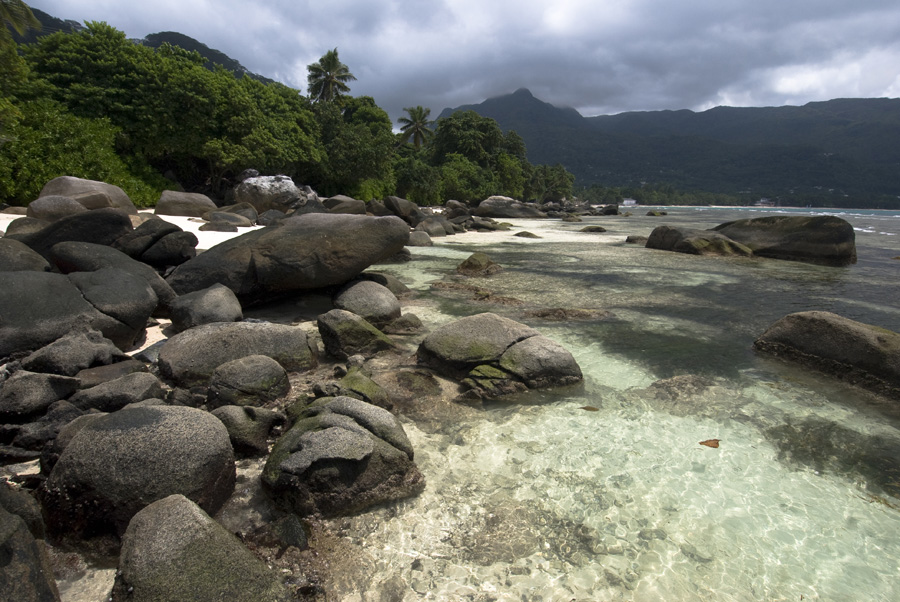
(843, 148)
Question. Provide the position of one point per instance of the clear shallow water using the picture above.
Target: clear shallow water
(543, 500)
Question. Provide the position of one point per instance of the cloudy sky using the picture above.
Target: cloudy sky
(598, 56)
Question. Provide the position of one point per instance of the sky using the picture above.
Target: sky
(597, 56)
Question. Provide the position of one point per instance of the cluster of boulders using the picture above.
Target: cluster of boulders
(137, 449)
(823, 240)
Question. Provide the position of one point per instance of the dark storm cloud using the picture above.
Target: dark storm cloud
(599, 57)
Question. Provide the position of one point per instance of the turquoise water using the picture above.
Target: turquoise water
(543, 500)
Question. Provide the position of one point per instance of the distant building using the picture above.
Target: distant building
(629, 202)
(764, 203)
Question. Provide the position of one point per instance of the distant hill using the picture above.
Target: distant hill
(845, 148)
(50, 24)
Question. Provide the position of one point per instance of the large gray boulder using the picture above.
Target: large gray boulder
(369, 300)
(405, 210)
(16, 256)
(299, 253)
(501, 206)
(25, 573)
(495, 356)
(217, 303)
(249, 427)
(186, 204)
(90, 193)
(39, 308)
(695, 242)
(52, 208)
(822, 239)
(343, 456)
(173, 550)
(190, 357)
(89, 257)
(858, 353)
(145, 236)
(101, 226)
(270, 192)
(119, 463)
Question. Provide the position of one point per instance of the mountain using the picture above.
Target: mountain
(846, 148)
(213, 57)
(50, 24)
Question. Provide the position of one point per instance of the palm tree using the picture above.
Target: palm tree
(417, 126)
(328, 77)
(17, 15)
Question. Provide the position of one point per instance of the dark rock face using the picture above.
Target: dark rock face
(496, 356)
(101, 227)
(369, 300)
(74, 352)
(136, 242)
(858, 353)
(89, 257)
(116, 394)
(119, 463)
(16, 256)
(252, 380)
(342, 457)
(345, 334)
(190, 357)
(498, 206)
(419, 239)
(823, 240)
(695, 242)
(187, 204)
(52, 208)
(173, 249)
(39, 307)
(405, 210)
(126, 301)
(345, 204)
(26, 395)
(299, 253)
(90, 193)
(243, 209)
(214, 304)
(173, 550)
(25, 572)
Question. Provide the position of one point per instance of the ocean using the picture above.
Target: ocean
(603, 491)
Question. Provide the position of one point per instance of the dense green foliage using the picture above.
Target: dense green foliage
(93, 104)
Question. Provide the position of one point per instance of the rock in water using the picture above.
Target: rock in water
(822, 239)
(173, 550)
(501, 206)
(695, 242)
(342, 457)
(862, 354)
(299, 253)
(496, 355)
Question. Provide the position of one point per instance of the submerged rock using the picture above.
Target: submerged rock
(859, 353)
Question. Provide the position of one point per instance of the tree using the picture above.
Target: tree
(417, 126)
(328, 77)
(468, 134)
(15, 14)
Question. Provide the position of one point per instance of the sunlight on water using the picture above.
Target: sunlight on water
(620, 501)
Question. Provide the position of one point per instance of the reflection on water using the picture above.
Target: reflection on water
(543, 500)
